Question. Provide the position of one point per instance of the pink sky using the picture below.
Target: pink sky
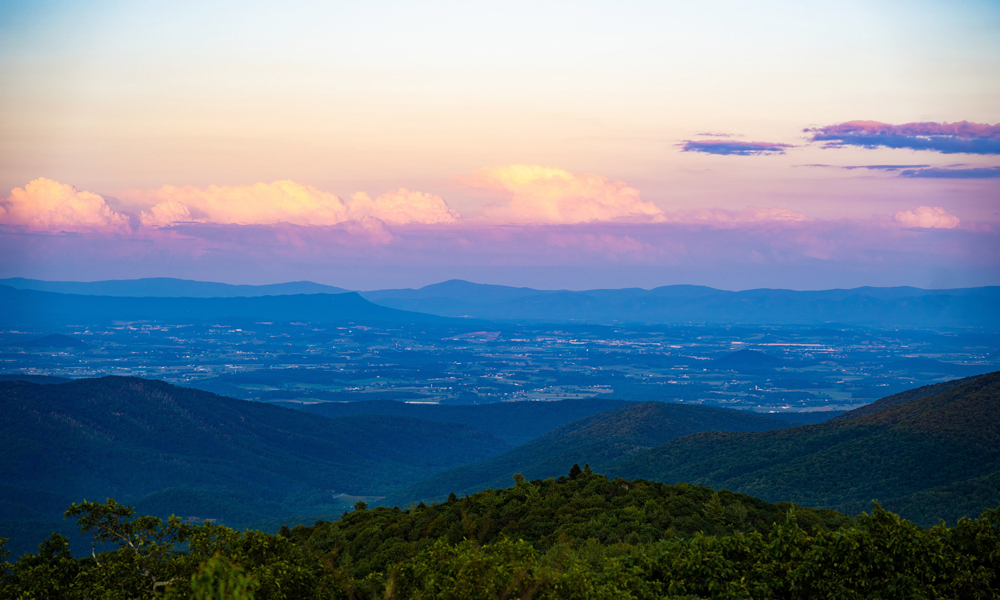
(554, 145)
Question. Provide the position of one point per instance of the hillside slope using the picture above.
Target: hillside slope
(598, 440)
(933, 457)
(129, 438)
(514, 422)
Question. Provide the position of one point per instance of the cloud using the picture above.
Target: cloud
(601, 242)
(884, 167)
(927, 217)
(868, 167)
(946, 138)
(733, 148)
(547, 195)
(947, 173)
(751, 214)
(286, 202)
(258, 204)
(404, 206)
(165, 213)
(46, 205)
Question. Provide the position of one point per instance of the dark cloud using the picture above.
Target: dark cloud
(946, 173)
(732, 148)
(868, 167)
(962, 137)
(884, 167)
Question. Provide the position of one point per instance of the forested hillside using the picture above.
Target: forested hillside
(581, 536)
(936, 456)
(577, 508)
(515, 422)
(599, 440)
(184, 451)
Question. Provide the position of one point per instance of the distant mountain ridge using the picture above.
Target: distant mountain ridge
(930, 453)
(45, 308)
(168, 287)
(674, 304)
(677, 304)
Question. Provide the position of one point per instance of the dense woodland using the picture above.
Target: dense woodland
(935, 452)
(578, 536)
(929, 454)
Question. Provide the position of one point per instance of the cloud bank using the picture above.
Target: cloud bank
(951, 173)
(718, 217)
(549, 219)
(286, 202)
(733, 148)
(538, 194)
(962, 137)
(46, 205)
(927, 217)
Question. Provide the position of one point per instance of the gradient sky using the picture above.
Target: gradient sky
(553, 144)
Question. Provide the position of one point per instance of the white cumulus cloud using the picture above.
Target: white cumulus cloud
(928, 217)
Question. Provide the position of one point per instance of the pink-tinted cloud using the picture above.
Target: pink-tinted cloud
(403, 206)
(286, 202)
(952, 173)
(605, 243)
(169, 212)
(721, 218)
(927, 217)
(812, 254)
(257, 204)
(538, 194)
(733, 148)
(946, 138)
(46, 205)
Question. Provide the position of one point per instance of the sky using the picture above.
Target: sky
(579, 145)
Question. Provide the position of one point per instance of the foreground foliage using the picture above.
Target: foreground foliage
(575, 537)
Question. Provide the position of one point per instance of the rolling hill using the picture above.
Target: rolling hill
(931, 453)
(55, 340)
(599, 440)
(514, 422)
(177, 449)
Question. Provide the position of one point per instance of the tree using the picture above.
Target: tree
(219, 579)
(145, 542)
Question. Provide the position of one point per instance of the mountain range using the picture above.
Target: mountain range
(675, 304)
(928, 453)
(169, 288)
